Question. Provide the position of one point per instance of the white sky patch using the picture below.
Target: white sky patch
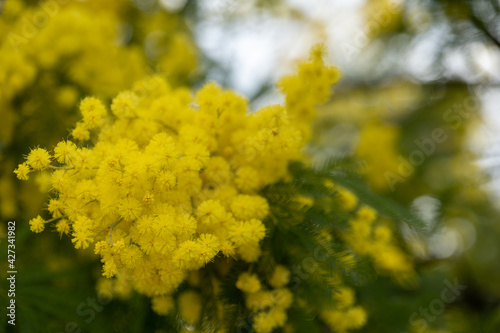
(444, 243)
(260, 48)
(173, 5)
(422, 54)
(487, 60)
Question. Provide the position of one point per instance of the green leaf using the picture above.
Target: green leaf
(349, 178)
(302, 321)
(318, 216)
(383, 205)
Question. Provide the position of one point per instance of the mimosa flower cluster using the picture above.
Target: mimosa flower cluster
(161, 183)
(269, 306)
(48, 62)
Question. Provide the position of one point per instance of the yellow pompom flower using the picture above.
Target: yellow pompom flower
(189, 305)
(264, 323)
(167, 180)
(38, 158)
(82, 234)
(383, 234)
(367, 214)
(278, 316)
(209, 247)
(283, 297)
(250, 253)
(227, 248)
(93, 112)
(357, 317)
(37, 224)
(345, 297)
(63, 151)
(248, 283)
(63, 227)
(162, 305)
(100, 247)
(22, 171)
(130, 208)
(80, 132)
(280, 277)
(347, 199)
(247, 179)
(124, 104)
(210, 212)
(109, 268)
(187, 255)
(55, 208)
(246, 207)
(259, 300)
(247, 232)
(131, 256)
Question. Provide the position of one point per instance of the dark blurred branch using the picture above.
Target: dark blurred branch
(482, 26)
(263, 90)
(496, 4)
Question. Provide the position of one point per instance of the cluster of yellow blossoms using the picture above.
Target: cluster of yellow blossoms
(382, 158)
(48, 62)
(162, 182)
(369, 236)
(268, 306)
(92, 30)
(29, 30)
(153, 193)
(346, 316)
(363, 116)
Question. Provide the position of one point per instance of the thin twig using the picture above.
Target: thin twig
(53, 219)
(111, 226)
